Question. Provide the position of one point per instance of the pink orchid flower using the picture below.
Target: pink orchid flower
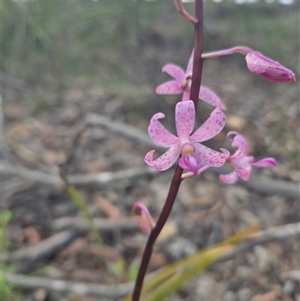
(268, 68)
(240, 161)
(182, 84)
(193, 153)
(143, 217)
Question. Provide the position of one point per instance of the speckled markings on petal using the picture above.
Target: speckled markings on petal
(209, 156)
(165, 161)
(159, 134)
(170, 87)
(185, 118)
(211, 127)
(211, 97)
(175, 71)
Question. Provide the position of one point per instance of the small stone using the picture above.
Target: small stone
(289, 287)
(230, 296)
(181, 248)
(244, 294)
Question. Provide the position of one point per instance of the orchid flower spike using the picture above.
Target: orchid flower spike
(268, 68)
(182, 84)
(193, 154)
(143, 217)
(242, 163)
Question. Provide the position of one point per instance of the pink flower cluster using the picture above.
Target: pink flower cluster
(186, 146)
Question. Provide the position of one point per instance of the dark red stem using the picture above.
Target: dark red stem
(198, 62)
(156, 230)
(175, 183)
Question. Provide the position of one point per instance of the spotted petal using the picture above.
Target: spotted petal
(211, 98)
(209, 156)
(185, 118)
(211, 127)
(159, 134)
(170, 87)
(175, 71)
(165, 161)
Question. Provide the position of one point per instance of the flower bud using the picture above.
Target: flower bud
(143, 218)
(268, 68)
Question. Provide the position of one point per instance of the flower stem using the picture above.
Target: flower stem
(198, 61)
(174, 187)
(238, 49)
(176, 180)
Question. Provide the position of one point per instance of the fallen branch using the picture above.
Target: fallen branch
(71, 228)
(272, 234)
(87, 180)
(102, 224)
(27, 257)
(279, 233)
(121, 129)
(113, 292)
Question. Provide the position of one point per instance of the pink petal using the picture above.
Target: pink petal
(191, 174)
(175, 71)
(191, 163)
(238, 142)
(229, 178)
(209, 156)
(244, 173)
(185, 118)
(210, 97)
(143, 218)
(267, 162)
(211, 127)
(189, 68)
(165, 161)
(171, 87)
(186, 95)
(159, 134)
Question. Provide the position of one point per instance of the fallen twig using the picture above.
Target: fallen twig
(102, 224)
(86, 180)
(27, 257)
(121, 129)
(113, 292)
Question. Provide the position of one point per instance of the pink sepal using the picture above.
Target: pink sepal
(143, 217)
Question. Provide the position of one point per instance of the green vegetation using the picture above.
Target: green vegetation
(51, 41)
(7, 292)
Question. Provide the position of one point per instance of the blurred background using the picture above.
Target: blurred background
(73, 69)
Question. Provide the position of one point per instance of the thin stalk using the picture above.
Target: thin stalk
(238, 49)
(174, 187)
(198, 45)
(176, 181)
